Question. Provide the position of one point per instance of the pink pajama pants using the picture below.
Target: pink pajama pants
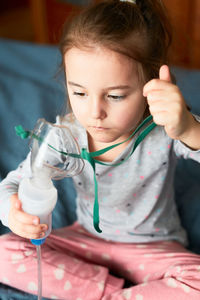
(77, 266)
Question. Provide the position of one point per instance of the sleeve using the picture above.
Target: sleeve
(9, 186)
(181, 150)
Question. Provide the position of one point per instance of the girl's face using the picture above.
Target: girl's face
(105, 93)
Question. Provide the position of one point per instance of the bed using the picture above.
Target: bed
(31, 88)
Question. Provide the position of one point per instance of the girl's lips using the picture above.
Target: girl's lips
(99, 128)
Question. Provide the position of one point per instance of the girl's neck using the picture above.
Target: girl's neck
(110, 155)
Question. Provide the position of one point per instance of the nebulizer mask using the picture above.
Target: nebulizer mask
(55, 155)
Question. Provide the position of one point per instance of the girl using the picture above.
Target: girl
(114, 56)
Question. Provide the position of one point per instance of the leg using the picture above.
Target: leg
(161, 270)
(64, 276)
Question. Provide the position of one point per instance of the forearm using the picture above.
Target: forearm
(9, 186)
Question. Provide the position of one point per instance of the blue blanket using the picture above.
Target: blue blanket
(30, 90)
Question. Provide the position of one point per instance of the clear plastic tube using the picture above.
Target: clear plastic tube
(39, 263)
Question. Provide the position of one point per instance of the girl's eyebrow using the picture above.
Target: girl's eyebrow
(75, 84)
(118, 87)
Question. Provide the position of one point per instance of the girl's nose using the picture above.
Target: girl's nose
(98, 109)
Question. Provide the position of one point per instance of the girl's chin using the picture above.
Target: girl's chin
(105, 139)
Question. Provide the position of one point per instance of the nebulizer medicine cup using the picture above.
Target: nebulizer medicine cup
(38, 200)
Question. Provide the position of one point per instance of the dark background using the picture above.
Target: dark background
(40, 21)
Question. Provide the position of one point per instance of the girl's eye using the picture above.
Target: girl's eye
(79, 94)
(116, 98)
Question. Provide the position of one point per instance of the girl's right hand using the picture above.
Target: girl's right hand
(23, 224)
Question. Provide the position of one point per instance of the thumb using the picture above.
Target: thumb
(15, 202)
(164, 73)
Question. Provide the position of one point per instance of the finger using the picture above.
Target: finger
(15, 202)
(28, 231)
(173, 109)
(161, 118)
(157, 108)
(25, 218)
(31, 230)
(28, 235)
(155, 96)
(19, 214)
(156, 85)
(164, 73)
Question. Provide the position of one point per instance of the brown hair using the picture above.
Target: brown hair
(140, 31)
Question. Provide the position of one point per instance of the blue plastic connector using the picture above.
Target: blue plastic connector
(38, 242)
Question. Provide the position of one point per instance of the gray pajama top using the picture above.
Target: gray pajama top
(136, 198)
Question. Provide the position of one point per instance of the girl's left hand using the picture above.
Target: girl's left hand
(167, 106)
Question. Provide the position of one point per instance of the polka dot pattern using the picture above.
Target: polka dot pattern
(171, 282)
(28, 252)
(101, 285)
(139, 297)
(21, 268)
(106, 256)
(16, 258)
(127, 293)
(67, 285)
(5, 280)
(141, 266)
(185, 288)
(59, 272)
(53, 297)
(32, 286)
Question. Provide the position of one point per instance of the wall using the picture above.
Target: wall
(185, 19)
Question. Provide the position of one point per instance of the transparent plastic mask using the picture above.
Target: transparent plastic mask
(47, 142)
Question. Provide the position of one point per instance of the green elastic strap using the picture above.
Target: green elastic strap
(25, 134)
(21, 132)
(139, 139)
(89, 156)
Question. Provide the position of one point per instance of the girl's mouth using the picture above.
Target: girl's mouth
(99, 128)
